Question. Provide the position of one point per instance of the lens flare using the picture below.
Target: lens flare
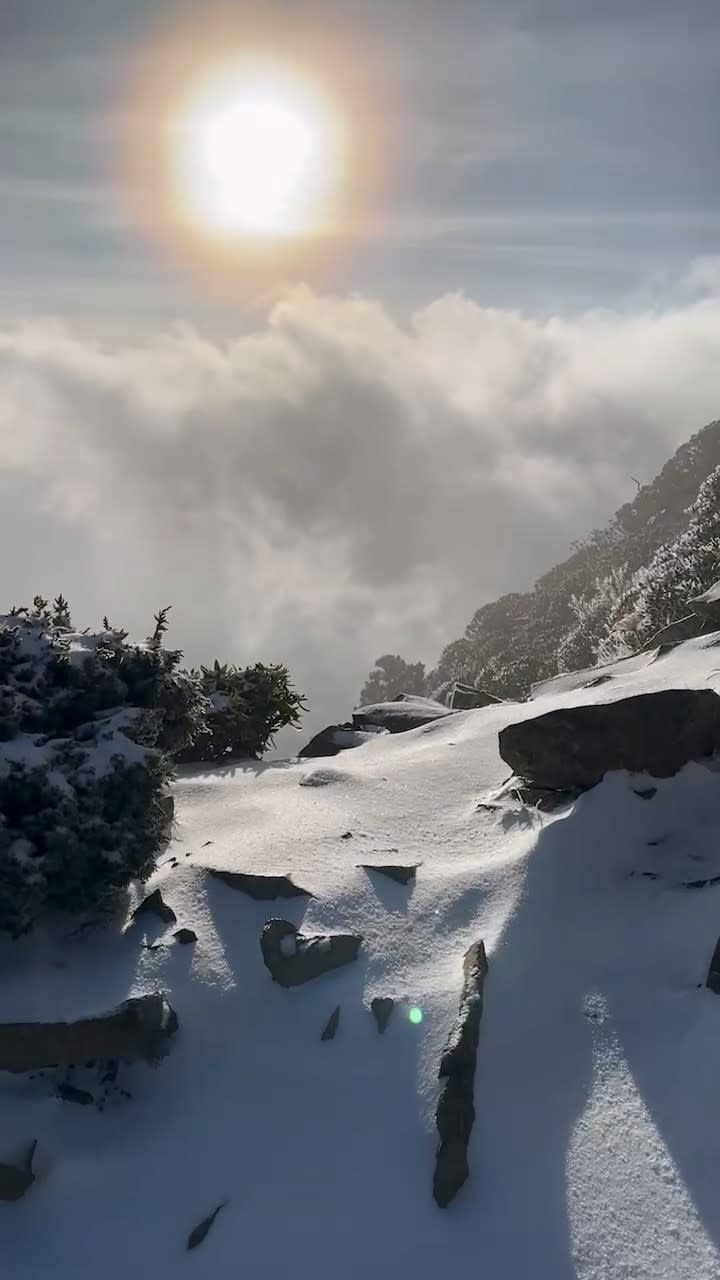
(415, 1015)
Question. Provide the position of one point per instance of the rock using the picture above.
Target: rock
(184, 936)
(155, 905)
(455, 1113)
(198, 1233)
(686, 628)
(346, 835)
(69, 1093)
(574, 747)
(597, 681)
(139, 1028)
(261, 888)
(336, 738)
(16, 1179)
(167, 805)
(713, 978)
(323, 778)
(546, 799)
(399, 717)
(645, 793)
(463, 697)
(381, 1008)
(332, 1025)
(401, 875)
(707, 605)
(310, 957)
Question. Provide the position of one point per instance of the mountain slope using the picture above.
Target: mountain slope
(570, 617)
(594, 1152)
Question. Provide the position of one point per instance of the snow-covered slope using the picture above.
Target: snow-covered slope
(596, 1146)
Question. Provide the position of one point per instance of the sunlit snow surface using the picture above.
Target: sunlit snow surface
(596, 1148)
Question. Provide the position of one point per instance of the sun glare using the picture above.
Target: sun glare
(256, 154)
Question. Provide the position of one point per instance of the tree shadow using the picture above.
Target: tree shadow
(583, 932)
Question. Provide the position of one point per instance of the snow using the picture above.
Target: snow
(596, 1146)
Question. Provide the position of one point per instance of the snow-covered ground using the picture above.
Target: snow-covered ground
(596, 1148)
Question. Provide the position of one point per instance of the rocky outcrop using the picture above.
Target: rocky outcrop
(455, 1113)
(198, 1233)
(139, 1028)
(399, 717)
(155, 905)
(261, 888)
(185, 936)
(381, 1008)
(463, 697)
(401, 875)
(16, 1179)
(707, 605)
(686, 628)
(574, 747)
(332, 1025)
(713, 978)
(336, 738)
(293, 958)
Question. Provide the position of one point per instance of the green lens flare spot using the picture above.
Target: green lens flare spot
(415, 1016)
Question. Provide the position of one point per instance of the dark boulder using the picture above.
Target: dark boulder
(574, 747)
(336, 738)
(398, 717)
(261, 888)
(455, 1113)
(17, 1178)
(155, 905)
(463, 697)
(293, 958)
(381, 1008)
(185, 936)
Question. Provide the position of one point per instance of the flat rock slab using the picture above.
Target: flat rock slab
(399, 717)
(155, 905)
(294, 958)
(455, 1113)
(401, 875)
(185, 936)
(655, 733)
(261, 888)
(139, 1028)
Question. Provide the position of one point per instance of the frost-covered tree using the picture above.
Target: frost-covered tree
(87, 724)
(390, 676)
(247, 707)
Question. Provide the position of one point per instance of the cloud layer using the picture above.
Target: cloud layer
(339, 482)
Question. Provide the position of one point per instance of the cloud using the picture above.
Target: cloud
(338, 482)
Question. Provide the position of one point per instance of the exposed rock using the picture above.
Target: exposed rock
(332, 1025)
(398, 717)
(167, 805)
(261, 888)
(707, 605)
(713, 979)
(463, 697)
(184, 936)
(155, 905)
(293, 958)
(645, 793)
(69, 1093)
(546, 799)
(139, 1028)
(323, 778)
(16, 1179)
(401, 875)
(346, 835)
(597, 681)
(455, 1113)
(655, 733)
(336, 738)
(198, 1233)
(381, 1008)
(686, 628)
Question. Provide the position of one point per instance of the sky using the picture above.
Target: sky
(325, 452)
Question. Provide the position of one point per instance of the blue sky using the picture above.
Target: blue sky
(323, 461)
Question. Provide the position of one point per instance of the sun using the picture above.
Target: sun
(256, 153)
